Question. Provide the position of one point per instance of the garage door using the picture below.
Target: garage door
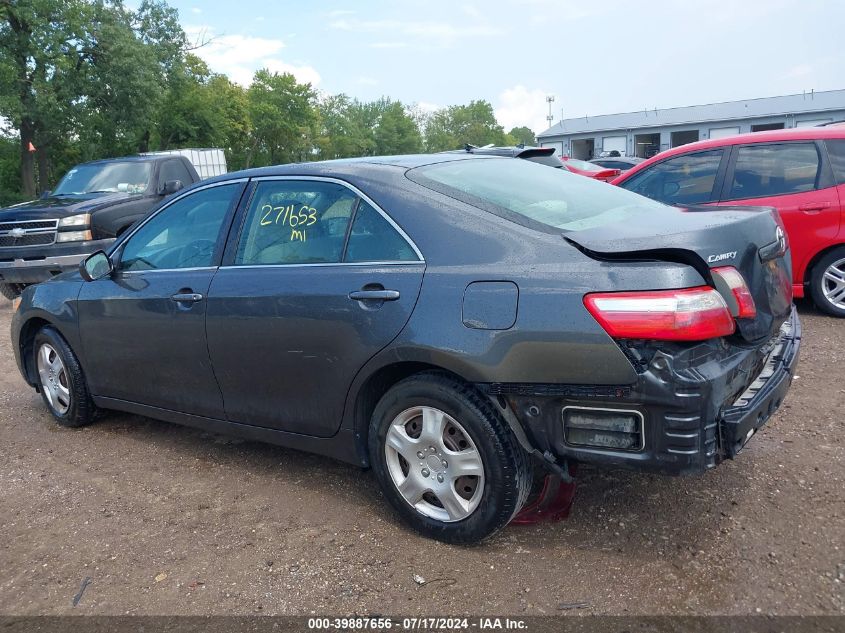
(611, 143)
(722, 132)
(812, 122)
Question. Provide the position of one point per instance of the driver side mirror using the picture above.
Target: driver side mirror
(95, 266)
(171, 186)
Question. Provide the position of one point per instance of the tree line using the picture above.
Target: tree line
(87, 79)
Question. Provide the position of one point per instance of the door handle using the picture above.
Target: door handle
(186, 297)
(814, 207)
(374, 295)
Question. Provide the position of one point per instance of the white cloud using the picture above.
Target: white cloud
(239, 56)
(303, 73)
(427, 107)
(520, 106)
(196, 10)
(388, 45)
(367, 81)
(440, 33)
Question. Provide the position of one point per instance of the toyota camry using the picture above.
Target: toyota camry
(453, 322)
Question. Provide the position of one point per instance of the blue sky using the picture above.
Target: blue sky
(595, 57)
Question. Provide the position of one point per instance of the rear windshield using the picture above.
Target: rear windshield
(534, 195)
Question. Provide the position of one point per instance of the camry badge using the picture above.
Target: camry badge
(721, 257)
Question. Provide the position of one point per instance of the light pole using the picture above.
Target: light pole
(550, 100)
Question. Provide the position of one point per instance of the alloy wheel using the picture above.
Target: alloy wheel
(833, 284)
(54, 379)
(434, 464)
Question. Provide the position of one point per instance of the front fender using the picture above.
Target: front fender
(53, 303)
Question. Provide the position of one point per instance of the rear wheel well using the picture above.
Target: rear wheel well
(27, 337)
(808, 272)
(375, 387)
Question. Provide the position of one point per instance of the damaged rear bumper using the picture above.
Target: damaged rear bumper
(691, 407)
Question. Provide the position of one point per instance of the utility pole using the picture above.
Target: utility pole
(550, 100)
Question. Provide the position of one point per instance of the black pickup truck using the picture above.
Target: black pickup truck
(93, 204)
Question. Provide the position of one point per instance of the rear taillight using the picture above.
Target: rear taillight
(736, 285)
(689, 314)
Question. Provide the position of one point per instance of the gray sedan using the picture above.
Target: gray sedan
(453, 322)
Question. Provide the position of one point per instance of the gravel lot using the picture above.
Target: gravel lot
(169, 520)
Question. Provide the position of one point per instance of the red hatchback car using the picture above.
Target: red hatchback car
(590, 170)
(800, 172)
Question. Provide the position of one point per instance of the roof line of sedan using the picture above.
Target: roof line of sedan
(320, 168)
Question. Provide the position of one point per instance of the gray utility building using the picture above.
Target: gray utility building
(648, 132)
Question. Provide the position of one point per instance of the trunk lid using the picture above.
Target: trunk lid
(751, 239)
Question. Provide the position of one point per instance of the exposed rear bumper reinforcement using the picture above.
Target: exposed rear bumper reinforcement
(764, 396)
(691, 407)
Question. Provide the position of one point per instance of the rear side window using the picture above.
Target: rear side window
(771, 170)
(682, 180)
(374, 239)
(836, 151)
(296, 222)
(550, 200)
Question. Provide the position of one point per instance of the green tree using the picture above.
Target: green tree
(396, 132)
(345, 128)
(232, 122)
(284, 119)
(83, 73)
(522, 135)
(456, 126)
(36, 51)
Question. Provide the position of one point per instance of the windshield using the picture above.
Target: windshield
(126, 177)
(534, 195)
(582, 165)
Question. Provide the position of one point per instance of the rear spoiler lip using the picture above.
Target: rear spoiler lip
(535, 151)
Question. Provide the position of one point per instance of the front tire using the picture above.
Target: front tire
(827, 283)
(62, 383)
(446, 460)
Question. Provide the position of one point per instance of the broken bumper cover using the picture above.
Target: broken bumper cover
(692, 406)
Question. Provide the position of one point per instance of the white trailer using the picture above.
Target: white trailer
(208, 161)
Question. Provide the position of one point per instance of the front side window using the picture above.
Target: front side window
(184, 234)
(296, 222)
(682, 180)
(174, 170)
(373, 239)
(771, 170)
(106, 177)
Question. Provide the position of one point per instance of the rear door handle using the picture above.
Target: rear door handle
(811, 207)
(374, 295)
(186, 297)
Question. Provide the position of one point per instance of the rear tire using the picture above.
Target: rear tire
(62, 383)
(446, 460)
(827, 283)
